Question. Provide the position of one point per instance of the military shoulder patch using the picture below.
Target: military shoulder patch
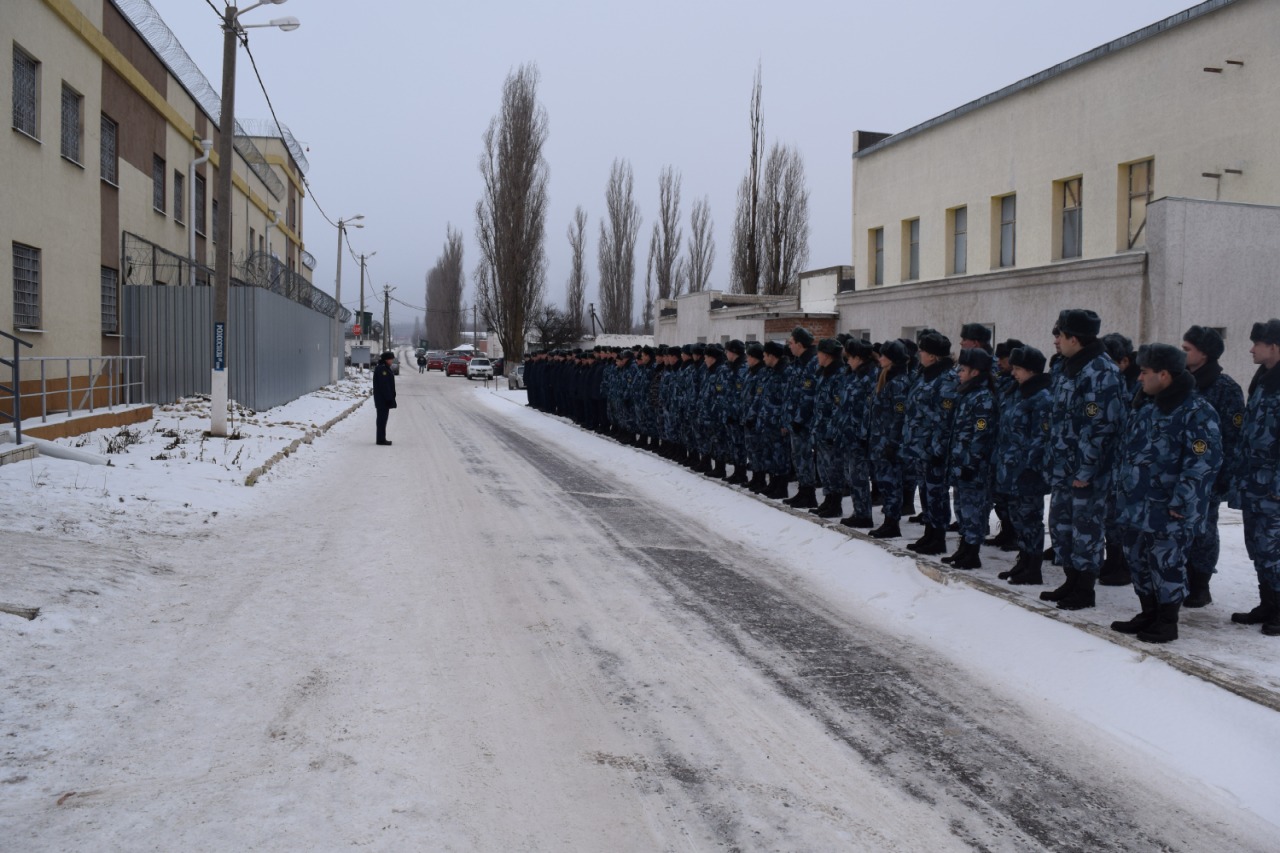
(1199, 447)
(808, 383)
(899, 407)
(1044, 425)
(1092, 410)
(1238, 420)
(948, 404)
(981, 423)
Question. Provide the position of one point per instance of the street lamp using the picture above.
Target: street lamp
(231, 30)
(339, 345)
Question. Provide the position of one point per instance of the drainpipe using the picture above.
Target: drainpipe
(207, 145)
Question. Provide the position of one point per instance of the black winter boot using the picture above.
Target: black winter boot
(1142, 621)
(757, 483)
(1272, 628)
(1062, 591)
(1165, 625)
(934, 541)
(957, 555)
(1263, 613)
(1115, 571)
(1029, 575)
(970, 557)
(739, 477)
(832, 506)
(1017, 566)
(1050, 556)
(1081, 595)
(888, 530)
(1006, 539)
(805, 498)
(724, 471)
(1198, 590)
(864, 522)
(777, 490)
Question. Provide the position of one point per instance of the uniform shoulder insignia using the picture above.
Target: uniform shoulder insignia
(1238, 420)
(1199, 447)
(808, 383)
(899, 408)
(719, 388)
(948, 404)
(981, 424)
(1044, 425)
(1092, 410)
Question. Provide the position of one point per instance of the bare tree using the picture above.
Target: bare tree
(554, 328)
(646, 310)
(702, 246)
(576, 300)
(746, 225)
(445, 283)
(617, 251)
(511, 215)
(667, 236)
(784, 220)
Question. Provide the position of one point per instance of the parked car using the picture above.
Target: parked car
(515, 379)
(455, 367)
(435, 360)
(479, 368)
(499, 366)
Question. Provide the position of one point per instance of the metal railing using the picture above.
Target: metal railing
(116, 381)
(16, 371)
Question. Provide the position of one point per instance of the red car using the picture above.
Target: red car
(435, 361)
(456, 367)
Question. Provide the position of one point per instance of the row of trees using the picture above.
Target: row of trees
(770, 234)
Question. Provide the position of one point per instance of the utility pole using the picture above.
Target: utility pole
(386, 317)
(362, 260)
(339, 337)
(475, 339)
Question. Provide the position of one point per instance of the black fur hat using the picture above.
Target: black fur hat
(895, 351)
(976, 357)
(1079, 323)
(859, 348)
(910, 345)
(387, 356)
(755, 350)
(935, 344)
(830, 346)
(1005, 348)
(802, 336)
(976, 332)
(1117, 346)
(735, 345)
(1266, 333)
(920, 333)
(775, 349)
(1207, 340)
(1159, 357)
(714, 350)
(1028, 358)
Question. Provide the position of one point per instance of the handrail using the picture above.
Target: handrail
(116, 377)
(17, 383)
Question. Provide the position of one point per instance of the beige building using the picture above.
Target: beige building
(103, 173)
(1138, 179)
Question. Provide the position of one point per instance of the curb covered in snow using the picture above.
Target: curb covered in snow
(311, 435)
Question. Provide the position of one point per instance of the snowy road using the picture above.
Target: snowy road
(480, 639)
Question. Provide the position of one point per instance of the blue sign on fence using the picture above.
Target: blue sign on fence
(219, 346)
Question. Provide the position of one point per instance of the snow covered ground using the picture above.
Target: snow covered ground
(412, 647)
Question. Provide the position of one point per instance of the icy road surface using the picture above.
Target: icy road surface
(480, 639)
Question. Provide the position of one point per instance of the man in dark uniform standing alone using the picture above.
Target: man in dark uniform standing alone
(384, 393)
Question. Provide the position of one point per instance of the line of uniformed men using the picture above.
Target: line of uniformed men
(1136, 450)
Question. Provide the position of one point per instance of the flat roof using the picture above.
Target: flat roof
(1184, 17)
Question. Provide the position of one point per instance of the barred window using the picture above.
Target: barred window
(26, 286)
(158, 172)
(110, 301)
(109, 153)
(179, 197)
(199, 200)
(26, 89)
(71, 123)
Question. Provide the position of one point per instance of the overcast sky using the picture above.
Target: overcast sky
(390, 98)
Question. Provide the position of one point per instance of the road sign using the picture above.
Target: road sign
(219, 346)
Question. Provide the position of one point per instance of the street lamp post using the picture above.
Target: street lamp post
(339, 345)
(231, 30)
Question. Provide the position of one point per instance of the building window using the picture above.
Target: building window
(108, 151)
(959, 240)
(253, 238)
(26, 286)
(911, 249)
(199, 201)
(877, 255)
(751, 336)
(158, 172)
(110, 301)
(1008, 220)
(72, 123)
(26, 93)
(1071, 204)
(1141, 182)
(179, 197)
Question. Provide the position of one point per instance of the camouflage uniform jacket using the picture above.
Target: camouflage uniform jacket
(926, 434)
(770, 410)
(852, 423)
(1224, 394)
(801, 378)
(1169, 456)
(886, 413)
(1024, 438)
(1088, 414)
(973, 437)
(828, 391)
(1256, 468)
